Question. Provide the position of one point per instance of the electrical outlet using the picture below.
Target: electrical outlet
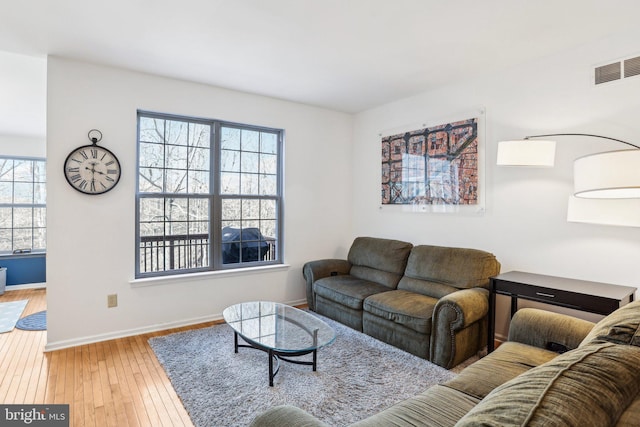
(112, 300)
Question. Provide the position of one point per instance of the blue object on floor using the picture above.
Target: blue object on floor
(33, 322)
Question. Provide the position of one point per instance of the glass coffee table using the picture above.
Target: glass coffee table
(280, 330)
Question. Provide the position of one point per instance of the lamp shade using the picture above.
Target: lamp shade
(609, 175)
(623, 212)
(526, 152)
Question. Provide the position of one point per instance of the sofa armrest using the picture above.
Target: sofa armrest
(286, 415)
(453, 313)
(316, 270)
(470, 305)
(548, 330)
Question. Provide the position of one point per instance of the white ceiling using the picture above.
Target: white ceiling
(346, 55)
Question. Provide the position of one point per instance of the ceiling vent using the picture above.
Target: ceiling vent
(617, 70)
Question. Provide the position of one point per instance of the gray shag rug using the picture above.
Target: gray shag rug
(357, 377)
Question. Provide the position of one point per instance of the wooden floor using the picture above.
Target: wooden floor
(112, 383)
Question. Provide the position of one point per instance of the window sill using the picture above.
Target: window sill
(23, 255)
(181, 278)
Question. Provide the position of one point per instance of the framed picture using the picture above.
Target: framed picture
(435, 168)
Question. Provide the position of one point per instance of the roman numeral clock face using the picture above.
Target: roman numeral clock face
(92, 170)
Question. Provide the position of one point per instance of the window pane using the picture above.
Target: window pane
(6, 240)
(175, 228)
(22, 238)
(230, 183)
(176, 181)
(151, 130)
(176, 209)
(176, 157)
(6, 170)
(230, 161)
(268, 228)
(249, 184)
(39, 238)
(269, 143)
(250, 140)
(151, 155)
(22, 217)
(199, 135)
(268, 185)
(199, 210)
(268, 164)
(250, 162)
(40, 194)
(250, 209)
(6, 192)
(39, 171)
(199, 159)
(176, 132)
(6, 217)
(230, 138)
(40, 217)
(267, 209)
(23, 171)
(151, 180)
(198, 182)
(151, 209)
(23, 192)
(231, 209)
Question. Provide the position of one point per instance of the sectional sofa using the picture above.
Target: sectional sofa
(596, 383)
(431, 301)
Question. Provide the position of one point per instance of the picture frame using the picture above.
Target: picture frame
(437, 166)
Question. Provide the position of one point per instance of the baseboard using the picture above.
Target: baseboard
(39, 285)
(59, 345)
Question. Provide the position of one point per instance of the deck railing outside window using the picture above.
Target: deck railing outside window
(177, 252)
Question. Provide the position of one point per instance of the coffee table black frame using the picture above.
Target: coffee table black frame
(277, 354)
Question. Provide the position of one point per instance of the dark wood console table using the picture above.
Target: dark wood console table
(593, 297)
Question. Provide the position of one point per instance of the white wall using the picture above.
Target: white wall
(525, 222)
(91, 238)
(19, 145)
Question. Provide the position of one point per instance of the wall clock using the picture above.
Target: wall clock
(91, 169)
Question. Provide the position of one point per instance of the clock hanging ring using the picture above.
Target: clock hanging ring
(92, 169)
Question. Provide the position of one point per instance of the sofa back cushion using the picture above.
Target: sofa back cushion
(436, 271)
(626, 317)
(379, 260)
(592, 385)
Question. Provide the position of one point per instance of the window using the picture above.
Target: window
(22, 205)
(209, 195)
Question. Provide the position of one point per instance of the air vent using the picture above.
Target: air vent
(632, 67)
(619, 70)
(608, 73)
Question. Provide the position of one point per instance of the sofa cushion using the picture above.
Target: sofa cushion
(438, 406)
(347, 290)
(441, 270)
(620, 326)
(589, 386)
(406, 308)
(379, 260)
(505, 363)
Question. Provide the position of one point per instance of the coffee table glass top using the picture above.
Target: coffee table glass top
(279, 327)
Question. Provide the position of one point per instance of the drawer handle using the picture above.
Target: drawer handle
(545, 295)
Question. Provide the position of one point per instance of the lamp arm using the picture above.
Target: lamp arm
(583, 134)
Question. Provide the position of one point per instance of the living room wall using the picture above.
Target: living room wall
(91, 248)
(525, 220)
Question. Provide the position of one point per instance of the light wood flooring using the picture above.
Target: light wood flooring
(112, 383)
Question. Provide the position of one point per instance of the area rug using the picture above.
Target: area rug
(357, 376)
(10, 313)
(33, 322)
